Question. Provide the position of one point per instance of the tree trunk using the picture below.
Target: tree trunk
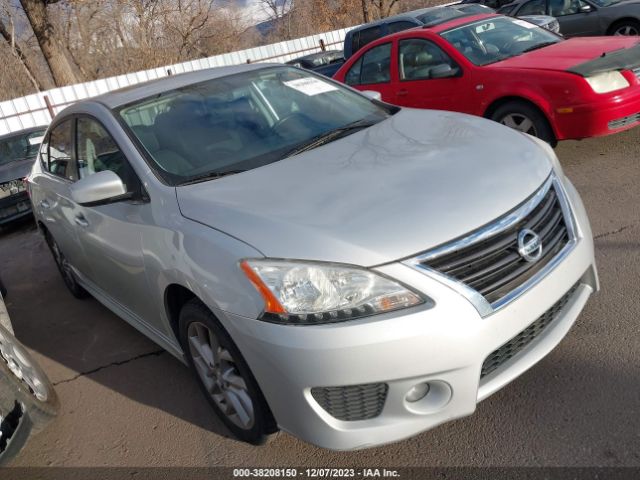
(365, 11)
(54, 53)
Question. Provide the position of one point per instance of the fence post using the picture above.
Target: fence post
(323, 47)
(52, 113)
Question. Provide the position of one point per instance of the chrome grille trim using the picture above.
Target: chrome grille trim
(509, 220)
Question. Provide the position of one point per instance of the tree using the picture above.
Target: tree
(17, 52)
(58, 59)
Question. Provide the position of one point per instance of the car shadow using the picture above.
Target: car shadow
(72, 338)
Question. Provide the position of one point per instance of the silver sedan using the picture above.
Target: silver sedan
(348, 271)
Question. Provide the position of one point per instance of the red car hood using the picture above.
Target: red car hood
(568, 53)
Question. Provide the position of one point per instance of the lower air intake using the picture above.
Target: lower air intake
(354, 402)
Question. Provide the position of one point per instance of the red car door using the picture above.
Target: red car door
(372, 71)
(427, 77)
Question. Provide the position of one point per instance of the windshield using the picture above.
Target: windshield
(244, 121)
(498, 38)
(20, 146)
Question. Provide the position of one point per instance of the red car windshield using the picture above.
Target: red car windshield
(497, 38)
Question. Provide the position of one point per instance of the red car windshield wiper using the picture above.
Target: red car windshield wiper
(538, 46)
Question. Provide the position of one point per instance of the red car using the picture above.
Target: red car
(507, 70)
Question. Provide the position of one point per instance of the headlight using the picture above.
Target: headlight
(305, 293)
(607, 82)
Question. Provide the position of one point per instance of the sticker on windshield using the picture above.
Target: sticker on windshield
(524, 24)
(310, 86)
(36, 140)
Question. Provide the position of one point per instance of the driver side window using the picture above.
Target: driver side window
(418, 57)
(560, 8)
(97, 152)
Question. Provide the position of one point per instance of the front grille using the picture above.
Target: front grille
(624, 121)
(525, 337)
(493, 266)
(354, 402)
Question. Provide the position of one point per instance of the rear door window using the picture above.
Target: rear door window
(376, 66)
(61, 150)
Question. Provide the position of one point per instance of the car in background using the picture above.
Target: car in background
(583, 17)
(510, 71)
(28, 401)
(17, 153)
(349, 271)
(365, 34)
(315, 60)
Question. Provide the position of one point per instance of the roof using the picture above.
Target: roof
(464, 10)
(123, 96)
(26, 131)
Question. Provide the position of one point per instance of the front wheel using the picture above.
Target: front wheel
(65, 269)
(625, 27)
(223, 375)
(525, 118)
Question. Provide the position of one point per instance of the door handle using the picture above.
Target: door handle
(80, 220)
(45, 204)
(403, 93)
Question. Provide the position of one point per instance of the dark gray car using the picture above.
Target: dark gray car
(17, 152)
(584, 17)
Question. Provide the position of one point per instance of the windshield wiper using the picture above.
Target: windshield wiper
(536, 47)
(327, 137)
(210, 176)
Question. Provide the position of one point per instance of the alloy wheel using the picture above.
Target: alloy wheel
(63, 264)
(219, 373)
(626, 30)
(520, 122)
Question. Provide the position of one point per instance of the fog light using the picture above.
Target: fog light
(417, 392)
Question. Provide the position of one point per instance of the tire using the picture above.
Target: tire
(524, 117)
(230, 387)
(65, 269)
(625, 27)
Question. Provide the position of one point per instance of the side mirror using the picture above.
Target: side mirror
(586, 8)
(443, 71)
(371, 95)
(99, 188)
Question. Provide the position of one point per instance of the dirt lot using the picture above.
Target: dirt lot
(125, 402)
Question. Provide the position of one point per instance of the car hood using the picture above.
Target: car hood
(15, 170)
(403, 186)
(568, 53)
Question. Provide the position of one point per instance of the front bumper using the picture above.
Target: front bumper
(14, 207)
(445, 346)
(612, 114)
